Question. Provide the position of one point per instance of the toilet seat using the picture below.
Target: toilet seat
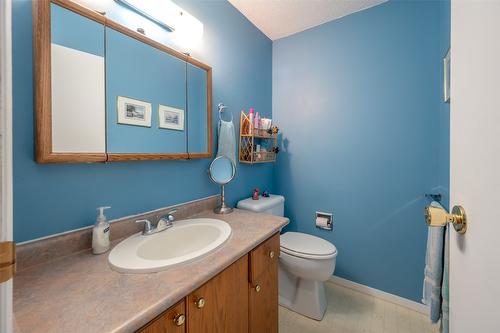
(307, 246)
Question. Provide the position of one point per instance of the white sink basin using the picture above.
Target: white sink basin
(186, 240)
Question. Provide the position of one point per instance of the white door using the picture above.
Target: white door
(6, 318)
(475, 165)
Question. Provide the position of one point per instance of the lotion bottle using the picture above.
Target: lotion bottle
(256, 120)
(100, 233)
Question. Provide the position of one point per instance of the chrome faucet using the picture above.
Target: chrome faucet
(164, 223)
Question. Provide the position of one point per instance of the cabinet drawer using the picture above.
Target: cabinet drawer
(171, 321)
(264, 256)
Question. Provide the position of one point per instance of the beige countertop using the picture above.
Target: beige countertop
(80, 292)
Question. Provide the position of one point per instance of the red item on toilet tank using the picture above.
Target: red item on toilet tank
(255, 195)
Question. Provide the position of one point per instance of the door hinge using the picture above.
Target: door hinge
(7, 260)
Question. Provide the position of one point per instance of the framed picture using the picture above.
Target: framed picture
(133, 112)
(446, 74)
(170, 118)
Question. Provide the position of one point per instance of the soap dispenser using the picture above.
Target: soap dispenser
(100, 233)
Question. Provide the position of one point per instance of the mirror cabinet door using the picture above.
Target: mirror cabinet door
(199, 126)
(76, 88)
(145, 99)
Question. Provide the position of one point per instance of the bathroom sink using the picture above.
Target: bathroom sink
(186, 240)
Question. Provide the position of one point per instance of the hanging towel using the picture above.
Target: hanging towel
(433, 274)
(445, 328)
(227, 140)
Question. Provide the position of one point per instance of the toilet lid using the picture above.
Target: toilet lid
(300, 244)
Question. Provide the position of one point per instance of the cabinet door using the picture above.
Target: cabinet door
(171, 321)
(263, 287)
(221, 305)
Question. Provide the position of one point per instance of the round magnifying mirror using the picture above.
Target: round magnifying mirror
(222, 171)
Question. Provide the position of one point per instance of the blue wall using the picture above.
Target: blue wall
(54, 198)
(358, 102)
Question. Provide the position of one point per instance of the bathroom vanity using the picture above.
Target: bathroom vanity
(61, 287)
(242, 298)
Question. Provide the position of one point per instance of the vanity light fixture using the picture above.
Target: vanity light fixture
(187, 30)
(161, 12)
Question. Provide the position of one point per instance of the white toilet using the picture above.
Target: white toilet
(306, 262)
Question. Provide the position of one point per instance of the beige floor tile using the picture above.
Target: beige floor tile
(349, 311)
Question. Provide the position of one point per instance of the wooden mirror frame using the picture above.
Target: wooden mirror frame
(43, 86)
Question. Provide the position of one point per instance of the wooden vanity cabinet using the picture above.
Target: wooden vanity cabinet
(263, 287)
(241, 299)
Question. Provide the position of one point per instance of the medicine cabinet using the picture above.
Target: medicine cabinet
(104, 92)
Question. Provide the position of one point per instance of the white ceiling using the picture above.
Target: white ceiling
(281, 18)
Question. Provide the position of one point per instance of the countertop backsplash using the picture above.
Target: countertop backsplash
(49, 248)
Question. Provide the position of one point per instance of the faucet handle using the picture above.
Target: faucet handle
(170, 215)
(166, 220)
(148, 228)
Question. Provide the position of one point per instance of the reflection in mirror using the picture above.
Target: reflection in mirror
(145, 98)
(77, 83)
(222, 171)
(197, 109)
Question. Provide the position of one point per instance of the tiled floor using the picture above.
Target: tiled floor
(352, 312)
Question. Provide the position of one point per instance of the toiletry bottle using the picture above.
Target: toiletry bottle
(257, 150)
(100, 233)
(250, 116)
(256, 120)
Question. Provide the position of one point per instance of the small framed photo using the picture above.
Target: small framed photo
(446, 77)
(133, 112)
(170, 118)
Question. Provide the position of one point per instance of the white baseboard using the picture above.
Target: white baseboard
(412, 305)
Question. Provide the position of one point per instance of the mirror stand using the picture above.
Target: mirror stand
(223, 208)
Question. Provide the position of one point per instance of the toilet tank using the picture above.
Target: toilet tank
(274, 204)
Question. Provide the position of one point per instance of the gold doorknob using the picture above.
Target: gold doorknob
(271, 254)
(438, 217)
(200, 303)
(179, 319)
(257, 288)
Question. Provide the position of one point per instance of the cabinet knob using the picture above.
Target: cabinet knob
(257, 288)
(200, 303)
(179, 319)
(271, 254)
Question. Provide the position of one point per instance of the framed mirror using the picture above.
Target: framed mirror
(104, 92)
